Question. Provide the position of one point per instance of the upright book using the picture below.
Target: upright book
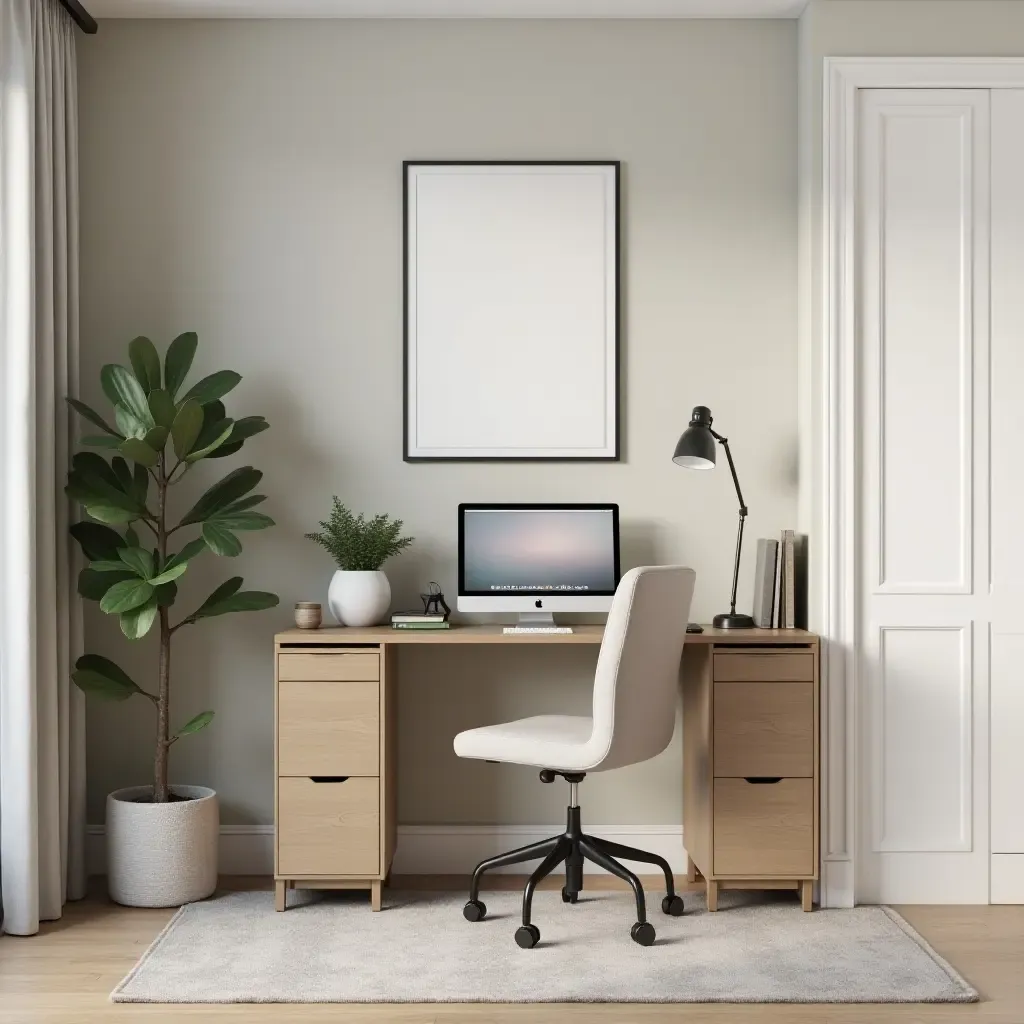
(764, 581)
(788, 557)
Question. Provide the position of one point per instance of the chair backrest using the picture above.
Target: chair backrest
(636, 687)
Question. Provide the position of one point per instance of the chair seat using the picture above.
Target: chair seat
(545, 741)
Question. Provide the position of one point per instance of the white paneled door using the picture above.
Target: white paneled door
(940, 274)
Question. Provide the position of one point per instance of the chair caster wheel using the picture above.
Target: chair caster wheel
(474, 910)
(527, 936)
(673, 906)
(643, 933)
(569, 897)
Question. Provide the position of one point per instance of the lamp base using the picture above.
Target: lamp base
(735, 620)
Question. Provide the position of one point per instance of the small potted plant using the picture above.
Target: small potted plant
(360, 593)
(161, 839)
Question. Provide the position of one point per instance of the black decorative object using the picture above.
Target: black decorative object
(433, 601)
(696, 450)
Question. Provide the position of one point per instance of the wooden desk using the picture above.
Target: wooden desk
(750, 754)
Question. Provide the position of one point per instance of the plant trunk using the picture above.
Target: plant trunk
(163, 743)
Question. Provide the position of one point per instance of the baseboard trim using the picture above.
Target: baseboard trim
(422, 849)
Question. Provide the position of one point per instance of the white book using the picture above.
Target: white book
(764, 581)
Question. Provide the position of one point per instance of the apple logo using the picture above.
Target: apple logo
(538, 604)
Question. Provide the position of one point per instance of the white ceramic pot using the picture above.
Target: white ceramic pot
(162, 855)
(359, 598)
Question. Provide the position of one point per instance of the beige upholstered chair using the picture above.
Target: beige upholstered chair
(634, 713)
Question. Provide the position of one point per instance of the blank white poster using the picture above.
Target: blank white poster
(511, 311)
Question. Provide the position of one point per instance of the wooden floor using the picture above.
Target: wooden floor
(64, 976)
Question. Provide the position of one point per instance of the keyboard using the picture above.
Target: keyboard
(537, 629)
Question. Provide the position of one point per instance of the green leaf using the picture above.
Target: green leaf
(178, 360)
(242, 521)
(95, 684)
(140, 485)
(224, 450)
(156, 438)
(204, 447)
(188, 552)
(93, 417)
(137, 622)
(162, 408)
(121, 387)
(93, 585)
(139, 452)
(126, 596)
(102, 440)
(250, 501)
(226, 599)
(139, 560)
(201, 721)
(122, 473)
(113, 674)
(110, 514)
(172, 572)
(166, 595)
(217, 385)
(187, 425)
(247, 426)
(96, 541)
(111, 565)
(221, 541)
(128, 423)
(145, 362)
(232, 487)
(92, 468)
(131, 538)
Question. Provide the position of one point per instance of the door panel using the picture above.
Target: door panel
(923, 287)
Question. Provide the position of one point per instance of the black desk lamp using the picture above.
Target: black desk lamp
(696, 450)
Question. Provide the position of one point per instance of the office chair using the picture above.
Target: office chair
(634, 713)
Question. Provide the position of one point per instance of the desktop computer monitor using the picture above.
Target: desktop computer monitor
(538, 559)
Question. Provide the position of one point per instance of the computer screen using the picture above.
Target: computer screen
(535, 550)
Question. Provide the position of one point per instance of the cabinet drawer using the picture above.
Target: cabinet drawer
(337, 667)
(328, 828)
(764, 667)
(764, 829)
(327, 728)
(764, 729)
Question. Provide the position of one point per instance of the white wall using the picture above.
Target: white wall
(242, 179)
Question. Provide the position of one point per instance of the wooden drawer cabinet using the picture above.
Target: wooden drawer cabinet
(335, 796)
(328, 729)
(328, 828)
(764, 731)
(330, 667)
(750, 765)
(763, 828)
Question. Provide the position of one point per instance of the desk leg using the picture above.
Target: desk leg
(375, 895)
(712, 896)
(807, 895)
(280, 895)
(691, 869)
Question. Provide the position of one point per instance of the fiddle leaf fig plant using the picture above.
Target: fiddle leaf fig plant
(136, 550)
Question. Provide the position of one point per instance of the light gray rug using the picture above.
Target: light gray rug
(329, 948)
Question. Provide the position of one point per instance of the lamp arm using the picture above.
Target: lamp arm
(724, 442)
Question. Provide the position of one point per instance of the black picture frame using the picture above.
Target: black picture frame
(616, 167)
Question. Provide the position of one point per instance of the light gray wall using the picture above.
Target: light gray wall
(242, 179)
(864, 28)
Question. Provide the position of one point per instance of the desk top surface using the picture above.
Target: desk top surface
(344, 635)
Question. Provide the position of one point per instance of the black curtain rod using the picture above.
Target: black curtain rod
(82, 18)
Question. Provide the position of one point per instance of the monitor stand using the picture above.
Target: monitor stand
(535, 619)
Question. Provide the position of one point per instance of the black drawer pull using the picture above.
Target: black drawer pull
(763, 780)
(328, 778)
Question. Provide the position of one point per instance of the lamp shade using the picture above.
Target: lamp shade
(696, 448)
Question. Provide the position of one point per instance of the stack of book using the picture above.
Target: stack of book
(418, 620)
(780, 582)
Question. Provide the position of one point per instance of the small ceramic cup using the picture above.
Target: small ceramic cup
(308, 615)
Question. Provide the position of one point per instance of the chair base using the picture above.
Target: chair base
(571, 848)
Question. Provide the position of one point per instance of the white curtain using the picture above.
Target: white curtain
(42, 727)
